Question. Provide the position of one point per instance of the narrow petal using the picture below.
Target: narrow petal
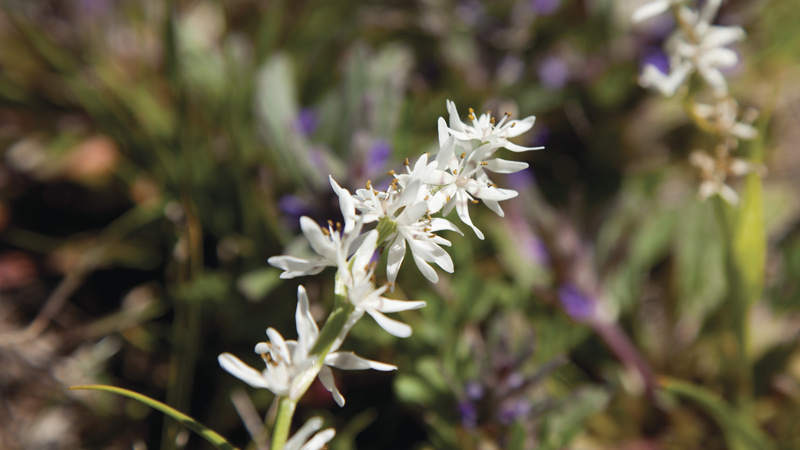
(504, 166)
(242, 371)
(439, 224)
(307, 330)
(517, 127)
(326, 377)
(391, 326)
(302, 435)
(350, 361)
(295, 267)
(455, 121)
(425, 268)
(318, 441)
(719, 36)
(319, 242)
(397, 251)
(649, 10)
(391, 306)
(462, 208)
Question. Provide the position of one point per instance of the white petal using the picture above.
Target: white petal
(302, 435)
(649, 10)
(319, 242)
(391, 306)
(462, 208)
(443, 133)
(326, 377)
(295, 267)
(455, 121)
(439, 224)
(504, 166)
(391, 326)
(366, 250)
(518, 148)
(279, 344)
(518, 127)
(485, 192)
(350, 361)
(719, 36)
(494, 206)
(307, 330)
(319, 440)
(715, 79)
(397, 252)
(425, 268)
(446, 151)
(242, 371)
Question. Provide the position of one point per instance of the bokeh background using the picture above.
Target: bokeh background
(156, 153)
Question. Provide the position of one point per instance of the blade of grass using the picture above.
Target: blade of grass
(206, 433)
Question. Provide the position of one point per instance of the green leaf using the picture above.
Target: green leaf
(740, 431)
(206, 433)
(749, 241)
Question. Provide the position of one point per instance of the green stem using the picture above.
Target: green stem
(337, 325)
(283, 422)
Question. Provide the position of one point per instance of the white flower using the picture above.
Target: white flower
(333, 243)
(484, 128)
(460, 178)
(652, 9)
(699, 47)
(301, 441)
(721, 117)
(361, 291)
(715, 171)
(289, 364)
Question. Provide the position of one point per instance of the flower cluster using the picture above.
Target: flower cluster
(397, 219)
(697, 46)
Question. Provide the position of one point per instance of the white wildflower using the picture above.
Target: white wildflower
(721, 117)
(714, 173)
(484, 128)
(361, 291)
(697, 46)
(333, 243)
(653, 8)
(289, 364)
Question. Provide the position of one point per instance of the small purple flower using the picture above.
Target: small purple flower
(656, 57)
(578, 306)
(469, 414)
(512, 410)
(522, 180)
(545, 7)
(474, 390)
(294, 206)
(377, 156)
(553, 72)
(306, 122)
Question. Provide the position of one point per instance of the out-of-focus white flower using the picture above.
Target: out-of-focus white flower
(333, 243)
(289, 363)
(715, 171)
(361, 291)
(485, 128)
(696, 46)
(721, 117)
(301, 441)
(652, 9)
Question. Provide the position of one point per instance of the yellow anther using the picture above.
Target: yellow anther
(475, 201)
(471, 111)
(484, 163)
(512, 124)
(448, 198)
(455, 171)
(406, 163)
(491, 120)
(463, 155)
(369, 184)
(391, 172)
(471, 117)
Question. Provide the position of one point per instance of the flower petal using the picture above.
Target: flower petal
(326, 377)
(242, 371)
(351, 361)
(391, 326)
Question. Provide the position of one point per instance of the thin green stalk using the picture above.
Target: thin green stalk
(283, 422)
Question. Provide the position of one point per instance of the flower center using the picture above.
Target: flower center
(462, 181)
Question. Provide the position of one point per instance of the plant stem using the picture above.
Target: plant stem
(283, 423)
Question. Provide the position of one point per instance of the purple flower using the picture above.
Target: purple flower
(512, 410)
(656, 57)
(545, 7)
(377, 156)
(553, 72)
(294, 206)
(306, 121)
(474, 390)
(469, 414)
(578, 306)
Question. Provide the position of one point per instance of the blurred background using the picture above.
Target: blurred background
(156, 153)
